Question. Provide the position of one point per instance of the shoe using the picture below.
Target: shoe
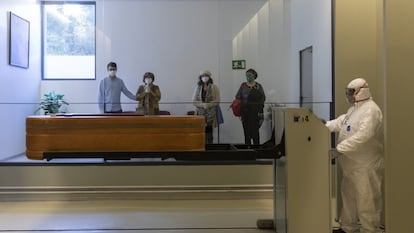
(339, 230)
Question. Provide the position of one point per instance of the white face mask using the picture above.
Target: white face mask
(112, 73)
(205, 79)
(148, 80)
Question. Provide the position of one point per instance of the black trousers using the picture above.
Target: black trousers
(209, 134)
(251, 130)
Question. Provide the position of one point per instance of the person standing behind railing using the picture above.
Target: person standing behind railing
(206, 97)
(252, 98)
(148, 95)
(110, 89)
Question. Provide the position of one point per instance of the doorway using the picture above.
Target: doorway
(306, 78)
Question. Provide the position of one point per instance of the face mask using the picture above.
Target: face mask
(205, 79)
(148, 81)
(112, 73)
(249, 79)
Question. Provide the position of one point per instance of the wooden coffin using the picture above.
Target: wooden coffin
(113, 133)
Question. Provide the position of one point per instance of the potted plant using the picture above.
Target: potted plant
(51, 103)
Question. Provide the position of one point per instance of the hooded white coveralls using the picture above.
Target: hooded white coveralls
(360, 142)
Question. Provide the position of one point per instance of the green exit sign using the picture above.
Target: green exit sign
(239, 64)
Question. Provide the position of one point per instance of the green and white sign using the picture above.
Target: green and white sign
(239, 64)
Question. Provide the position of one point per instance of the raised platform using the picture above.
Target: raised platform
(112, 133)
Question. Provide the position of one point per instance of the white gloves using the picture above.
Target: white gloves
(333, 154)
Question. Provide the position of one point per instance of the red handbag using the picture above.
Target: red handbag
(236, 107)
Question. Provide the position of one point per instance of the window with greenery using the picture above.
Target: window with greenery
(68, 45)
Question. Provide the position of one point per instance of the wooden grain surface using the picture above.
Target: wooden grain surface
(113, 134)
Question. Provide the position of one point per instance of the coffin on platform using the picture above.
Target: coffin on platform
(113, 133)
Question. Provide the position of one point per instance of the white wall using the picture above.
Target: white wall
(272, 41)
(261, 43)
(311, 26)
(19, 89)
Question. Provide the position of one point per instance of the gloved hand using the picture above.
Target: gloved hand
(340, 148)
(333, 154)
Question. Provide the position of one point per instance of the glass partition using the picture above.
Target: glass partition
(176, 40)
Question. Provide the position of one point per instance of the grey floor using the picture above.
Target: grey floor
(157, 216)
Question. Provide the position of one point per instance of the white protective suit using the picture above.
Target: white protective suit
(360, 144)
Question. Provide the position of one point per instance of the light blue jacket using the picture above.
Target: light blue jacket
(110, 94)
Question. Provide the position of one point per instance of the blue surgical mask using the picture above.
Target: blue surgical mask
(249, 79)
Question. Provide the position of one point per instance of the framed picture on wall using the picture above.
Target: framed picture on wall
(19, 40)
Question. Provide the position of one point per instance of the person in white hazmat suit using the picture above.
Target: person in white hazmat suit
(360, 147)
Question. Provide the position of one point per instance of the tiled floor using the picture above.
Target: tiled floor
(158, 216)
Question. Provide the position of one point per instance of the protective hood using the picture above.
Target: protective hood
(359, 89)
(363, 94)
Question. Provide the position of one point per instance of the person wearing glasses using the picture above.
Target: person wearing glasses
(148, 96)
(110, 89)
